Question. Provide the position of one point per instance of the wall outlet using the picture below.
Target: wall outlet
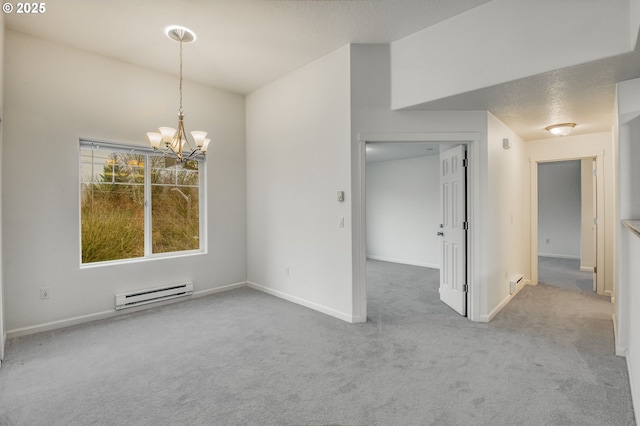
(44, 292)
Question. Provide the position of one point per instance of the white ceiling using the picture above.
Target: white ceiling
(583, 94)
(244, 44)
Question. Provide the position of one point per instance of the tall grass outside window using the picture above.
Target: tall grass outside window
(135, 203)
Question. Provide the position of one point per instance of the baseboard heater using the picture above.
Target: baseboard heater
(151, 295)
(516, 281)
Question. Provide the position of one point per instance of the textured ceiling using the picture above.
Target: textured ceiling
(584, 94)
(242, 44)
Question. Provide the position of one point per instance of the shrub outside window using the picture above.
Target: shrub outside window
(135, 203)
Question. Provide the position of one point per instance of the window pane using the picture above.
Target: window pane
(175, 220)
(114, 210)
(112, 221)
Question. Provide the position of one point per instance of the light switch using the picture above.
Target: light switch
(341, 196)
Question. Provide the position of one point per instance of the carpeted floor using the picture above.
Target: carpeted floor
(246, 358)
(564, 273)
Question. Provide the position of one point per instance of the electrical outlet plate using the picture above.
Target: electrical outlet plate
(44, 293)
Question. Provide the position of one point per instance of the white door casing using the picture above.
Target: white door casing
(453, 271)
(594, 233)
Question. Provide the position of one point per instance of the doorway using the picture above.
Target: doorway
(567, 245)
(416, 220)
(402, 217)
(566, 230)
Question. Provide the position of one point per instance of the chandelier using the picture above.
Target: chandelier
(174, 142)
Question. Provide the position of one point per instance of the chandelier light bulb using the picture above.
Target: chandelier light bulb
(198, 137)
(167, 133)
(155, 139)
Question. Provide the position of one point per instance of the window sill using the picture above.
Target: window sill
(155, 257)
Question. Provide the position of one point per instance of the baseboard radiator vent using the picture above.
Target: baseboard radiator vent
(151, 295)
(516, 281)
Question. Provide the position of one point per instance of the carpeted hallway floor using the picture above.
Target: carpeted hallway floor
(565, 273)
(246, 358)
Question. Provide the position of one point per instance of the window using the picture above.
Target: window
(136, 203)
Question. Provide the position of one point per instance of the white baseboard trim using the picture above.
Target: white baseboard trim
(68, 322)
(358, 320)
(227, 287)
(634, 394)
(494, 312)
(620, 351)
(404, 261)
(306, 303)
(586, 268)
(559, 256)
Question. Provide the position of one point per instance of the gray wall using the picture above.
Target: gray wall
(559, 209)
(79, 94)
(403, 200)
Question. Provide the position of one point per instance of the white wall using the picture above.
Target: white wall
(2, 309)
(588, 212)
(53, 96)
(631, 256)
(598, 145)
(497, 176)
(508, 244)
(443, 60)
(627, 266)
(291, 183)
(559, 209)
(297, 160)
(634, 13)
(403, 211)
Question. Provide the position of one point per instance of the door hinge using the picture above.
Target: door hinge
(595, 220)
(595, 172)
(465, 162)
(465, 288)
(595, 269)
(465, 225)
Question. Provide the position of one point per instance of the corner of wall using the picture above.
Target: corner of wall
(508, 196)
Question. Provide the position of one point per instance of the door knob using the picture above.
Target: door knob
(441, 234)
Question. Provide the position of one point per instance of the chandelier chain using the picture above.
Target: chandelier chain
(180, 110)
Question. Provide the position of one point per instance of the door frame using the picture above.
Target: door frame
(600, 246)
(472, 141)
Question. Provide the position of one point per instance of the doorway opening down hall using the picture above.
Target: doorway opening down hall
(567, 237)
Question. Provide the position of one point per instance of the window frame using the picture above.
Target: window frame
(148, 152)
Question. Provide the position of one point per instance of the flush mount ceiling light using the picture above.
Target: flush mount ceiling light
(561, 129)
(174, 142)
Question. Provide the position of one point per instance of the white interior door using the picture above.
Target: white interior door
(453, 260)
